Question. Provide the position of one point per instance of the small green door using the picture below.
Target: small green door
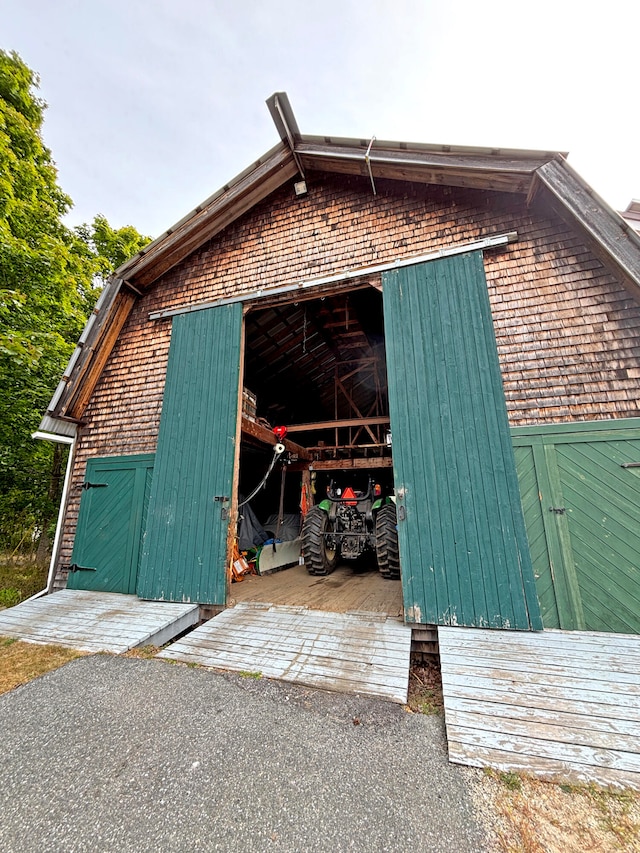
(184, 557)
(106, 550)
(463, 545)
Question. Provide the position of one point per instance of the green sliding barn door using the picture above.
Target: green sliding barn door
(463, 546)
(106, 550)
(184, 555)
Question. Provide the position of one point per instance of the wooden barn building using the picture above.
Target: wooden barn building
(443, 276)
(462, 325)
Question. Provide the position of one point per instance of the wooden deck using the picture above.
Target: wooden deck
(97, 621)
(355, 653)
(557, 704)
(344, 590)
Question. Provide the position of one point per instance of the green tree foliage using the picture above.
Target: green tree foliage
(110, 247)
(50, 278)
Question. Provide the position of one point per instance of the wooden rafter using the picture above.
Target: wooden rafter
(346, 464)
(348, 422)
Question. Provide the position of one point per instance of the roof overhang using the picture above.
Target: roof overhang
(612, 239)
(246, 190)
(508, 170)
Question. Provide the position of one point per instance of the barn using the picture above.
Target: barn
(457, 326)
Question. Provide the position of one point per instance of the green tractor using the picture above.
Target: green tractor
(349, 524)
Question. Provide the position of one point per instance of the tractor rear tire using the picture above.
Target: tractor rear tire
(318, 558)
(387, 552)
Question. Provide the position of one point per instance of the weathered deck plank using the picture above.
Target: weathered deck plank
(328, 649)
(557, 704)
(594, 703)
(358, 653)
(97, 621)
(532, 674)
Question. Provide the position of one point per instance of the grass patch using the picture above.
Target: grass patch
(511, 781)
(532, 816)
(22, 662)
(9, 597)
(619, 813)
(20, 578)
(144, 652)
(246, 674)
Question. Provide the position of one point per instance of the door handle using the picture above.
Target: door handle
(224, 513)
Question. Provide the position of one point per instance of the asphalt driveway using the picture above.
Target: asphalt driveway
(122, 754)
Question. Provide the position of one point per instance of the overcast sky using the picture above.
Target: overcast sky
(154, 104)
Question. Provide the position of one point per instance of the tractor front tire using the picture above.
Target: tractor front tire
(318, 558)
(387, 552)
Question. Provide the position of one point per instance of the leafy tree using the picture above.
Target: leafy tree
(110, 247)
(50, 277)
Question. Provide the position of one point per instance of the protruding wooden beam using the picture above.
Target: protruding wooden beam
(351, 422)
(265, 435)
(346, 464)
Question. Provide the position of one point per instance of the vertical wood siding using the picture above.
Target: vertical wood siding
(582, 511)
(463, 546)
(184, 556)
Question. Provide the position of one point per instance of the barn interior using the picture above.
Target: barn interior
(318, 368)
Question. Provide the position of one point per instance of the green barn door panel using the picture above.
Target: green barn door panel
(110, 524)
(580, 486)
(602, 501)
(463, 547)
(184, 555)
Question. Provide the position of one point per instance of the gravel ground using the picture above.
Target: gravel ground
(122, 754)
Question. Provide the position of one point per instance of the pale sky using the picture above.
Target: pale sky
(155, 104)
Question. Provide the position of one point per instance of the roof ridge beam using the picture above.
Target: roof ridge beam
(286, 124)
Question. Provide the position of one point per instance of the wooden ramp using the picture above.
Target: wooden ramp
(97, 621)
(363, 653)
(557, 704)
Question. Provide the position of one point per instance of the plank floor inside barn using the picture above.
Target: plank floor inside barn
(346, 589)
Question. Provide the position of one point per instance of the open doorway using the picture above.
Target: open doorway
(308, 516)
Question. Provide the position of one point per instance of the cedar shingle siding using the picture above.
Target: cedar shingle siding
(567, 331)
